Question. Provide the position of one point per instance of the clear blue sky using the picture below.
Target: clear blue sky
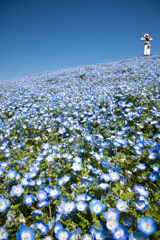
(46, 35)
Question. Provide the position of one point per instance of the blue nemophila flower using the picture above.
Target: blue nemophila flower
(103, 186)
(97, 156)
(50, 158)
(76, 167)
(54, 192)
(128, 221)
(138, 236)
(60, 181)
(32, 173)
(46, 188)
(1, 171)
(25, 181)
(112, 224)
(3, 205)
(28, 199)
(57, 226)
(87, 237)
(4, 234)
(140, 205)
(7, 200)
(32, 183)
(82, 197)
(25, 233)
(37, 213)
(17, 190)
(66, 178)
(147, 225)
(48, 238)
(154, 176)
(100, 234)
(111, 214)
(43, 204)
(75, 235)
(141, 166)
(81, 206)
(42, 227)
(4, 164)
(11, 174)
(152, 154)
(41, 195)
(122, 206)
(77, 159)
(105, 177)
(18, 175)
(39, 181)
(68, 207)
(140, 190)
(88, 137)
(114, 175)
(62, 234)
(96, 206)
(156, 168)
(120, 233)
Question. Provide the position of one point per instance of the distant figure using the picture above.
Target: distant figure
(147, 46)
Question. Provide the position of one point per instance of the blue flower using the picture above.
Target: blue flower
(82, 197)
(87, 237)
(62, 234)
(138, 236)
(114, 175)
(120, 233)
(57, 227)
(75, 235)
(103, 186)
(96, 206)
(122, 206)
(25, 181)
(156, 168)
(37, 213)
(140, 190)
(128, 221)
(43, 204)
(44, 228)
(28, 199)
(147, 225)
(112, 214)
(4, 234)
(54, 192)
(41, 195)
(106, 177)
(154, 176)
(25, 233)
(46, 188)
(140, 205)
(100, 234)
(39, 182)
(11, 174)
(17, 190)
(76, 167)
(112, 224)
(68, 207)
(81, 206)
(141, 166)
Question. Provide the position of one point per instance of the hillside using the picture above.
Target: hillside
(76, 84)
(79, 153)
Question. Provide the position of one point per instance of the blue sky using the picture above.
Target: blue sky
(46, 35)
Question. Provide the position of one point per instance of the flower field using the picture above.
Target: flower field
(80, 151)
